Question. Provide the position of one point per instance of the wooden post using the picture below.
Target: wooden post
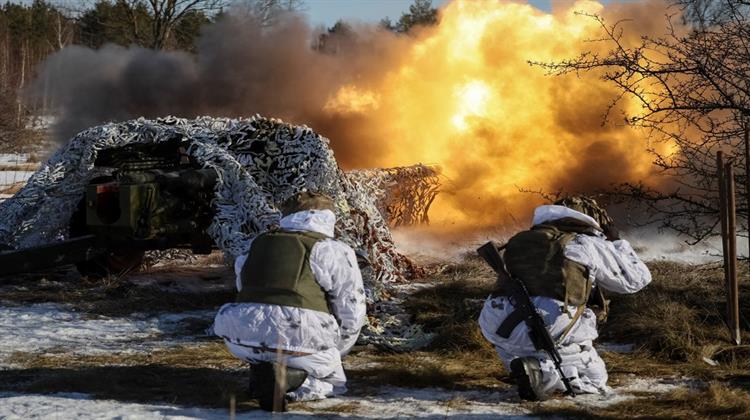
(746, 129)
(733, 298)
(723, 219)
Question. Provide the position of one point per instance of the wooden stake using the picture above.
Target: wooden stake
(723, 217)
(733, 302)
(746, 129)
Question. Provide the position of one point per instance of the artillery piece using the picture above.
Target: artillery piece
(117, 190)
(150, 197)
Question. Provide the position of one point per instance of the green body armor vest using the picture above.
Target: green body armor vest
(277, 271)
(536, 257)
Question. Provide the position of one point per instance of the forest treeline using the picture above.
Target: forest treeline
(29, 33)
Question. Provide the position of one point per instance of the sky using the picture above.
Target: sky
(327, 12)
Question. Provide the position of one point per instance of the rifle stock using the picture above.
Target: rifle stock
(490, 252)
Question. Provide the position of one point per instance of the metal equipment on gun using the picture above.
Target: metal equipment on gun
(521, 299)
(148, 197)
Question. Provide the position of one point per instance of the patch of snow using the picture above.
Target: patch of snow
(624, 392)
(11, 177)
(425, 403)
(40, 122)
(13, 158)
(656, 385)
(52, 327)
(81, 406)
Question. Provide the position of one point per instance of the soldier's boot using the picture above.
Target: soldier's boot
(271, 382)
(528, 375)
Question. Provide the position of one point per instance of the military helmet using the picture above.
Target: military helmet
(306, 200)
(587, 206)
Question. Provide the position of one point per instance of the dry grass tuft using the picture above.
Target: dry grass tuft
(18, 167)
(120, 296)
(12, 189)
(428, 370)
(679, 317)
(450, 308)
(459, 357)
(206, 354)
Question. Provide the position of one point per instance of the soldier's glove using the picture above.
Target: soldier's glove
(611, 232)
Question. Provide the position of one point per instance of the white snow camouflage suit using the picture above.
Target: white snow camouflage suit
(612, 265)
(318, 339)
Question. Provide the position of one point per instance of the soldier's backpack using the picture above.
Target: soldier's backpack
(536, 257)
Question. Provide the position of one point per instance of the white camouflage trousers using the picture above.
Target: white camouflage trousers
(581, 362)
(325, 373)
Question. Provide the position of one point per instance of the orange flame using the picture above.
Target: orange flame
(466, 99)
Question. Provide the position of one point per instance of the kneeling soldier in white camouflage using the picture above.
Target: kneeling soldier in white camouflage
(571, 248)
(300, 306)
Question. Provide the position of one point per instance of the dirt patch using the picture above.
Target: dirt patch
(12, 189)
(189, 288)
(448, 370)
(26, 167)
(208, 355)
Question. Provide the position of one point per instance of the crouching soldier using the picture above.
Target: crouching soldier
(571, 248)
(299, 309)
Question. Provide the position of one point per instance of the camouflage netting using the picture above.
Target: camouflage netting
(404, 194)
(260, 162)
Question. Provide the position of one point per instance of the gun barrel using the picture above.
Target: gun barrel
(71, 251)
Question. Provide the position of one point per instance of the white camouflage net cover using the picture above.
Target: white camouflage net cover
(403, 194)
(260, 162)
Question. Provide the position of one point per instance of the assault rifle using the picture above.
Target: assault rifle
(521, 299)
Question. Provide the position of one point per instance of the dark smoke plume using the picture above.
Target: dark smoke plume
(240, 69)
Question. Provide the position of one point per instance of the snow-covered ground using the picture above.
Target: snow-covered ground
(51, 327)
(385, 402)
(8, 178)
(41, 122)
(81, 406)
(652, 245)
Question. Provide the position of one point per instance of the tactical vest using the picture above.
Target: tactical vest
(277, 271)
(536, 257)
